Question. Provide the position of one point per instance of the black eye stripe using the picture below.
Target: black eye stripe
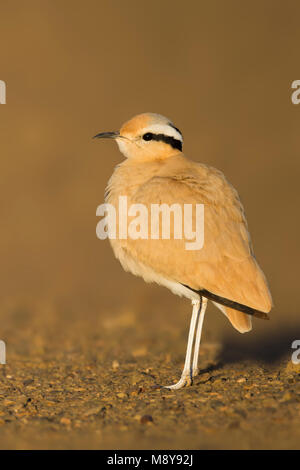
(175, 143)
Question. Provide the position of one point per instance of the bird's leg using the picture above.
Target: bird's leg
(202, 309)
(186, 376)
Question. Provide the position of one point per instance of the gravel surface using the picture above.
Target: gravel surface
(70, 382)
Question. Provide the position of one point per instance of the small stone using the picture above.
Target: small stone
(115, 365)
(241, 380)
(146, 419)
(28, 381)
(93, 411)
(65, 421)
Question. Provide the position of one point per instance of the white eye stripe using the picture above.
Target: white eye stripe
(164, 129)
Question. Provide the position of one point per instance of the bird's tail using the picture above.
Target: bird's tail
(241, 321)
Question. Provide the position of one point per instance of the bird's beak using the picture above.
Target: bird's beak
(107, 135)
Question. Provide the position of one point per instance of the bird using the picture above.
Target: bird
(224, 271)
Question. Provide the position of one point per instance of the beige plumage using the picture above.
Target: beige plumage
(225, 269)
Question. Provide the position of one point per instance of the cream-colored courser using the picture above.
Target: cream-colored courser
(224, 270)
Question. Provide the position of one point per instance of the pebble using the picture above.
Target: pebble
(65, 421)
(146, 419)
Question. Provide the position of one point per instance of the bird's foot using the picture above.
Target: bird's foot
(185, 381)
(195, 372)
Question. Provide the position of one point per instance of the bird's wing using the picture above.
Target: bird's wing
(225, 266)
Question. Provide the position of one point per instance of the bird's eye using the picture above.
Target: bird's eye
(148, 136)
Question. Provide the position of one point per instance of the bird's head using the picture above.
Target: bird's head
(147, 136)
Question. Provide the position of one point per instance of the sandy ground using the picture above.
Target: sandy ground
(73, 382)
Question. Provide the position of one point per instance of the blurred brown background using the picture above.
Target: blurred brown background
(222, 71)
